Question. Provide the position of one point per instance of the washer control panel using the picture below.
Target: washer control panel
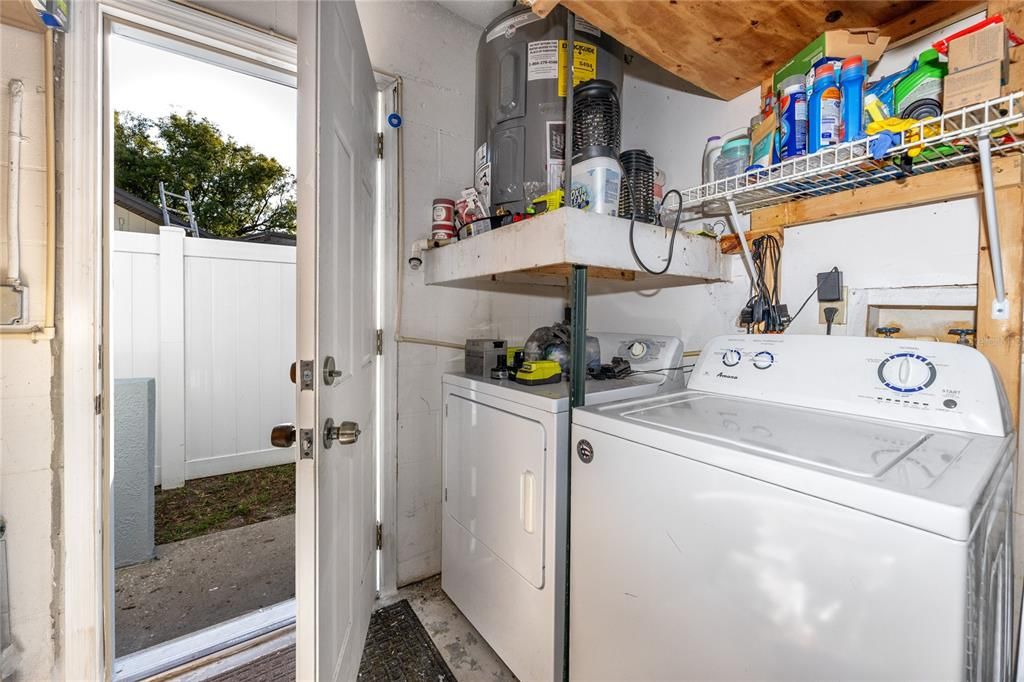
(944, 385)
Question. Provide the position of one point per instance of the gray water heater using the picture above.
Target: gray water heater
(520, 113)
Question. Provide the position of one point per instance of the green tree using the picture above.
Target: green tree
(235, 190)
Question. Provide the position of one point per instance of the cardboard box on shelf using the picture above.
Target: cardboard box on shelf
(978, 66)
(972, 86)
(842, 43)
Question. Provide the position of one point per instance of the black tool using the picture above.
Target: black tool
(618, 368)
(887, 332)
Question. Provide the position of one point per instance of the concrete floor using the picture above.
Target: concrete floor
(203, 581)
(463, 649)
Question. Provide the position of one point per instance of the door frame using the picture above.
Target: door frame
(85, 629)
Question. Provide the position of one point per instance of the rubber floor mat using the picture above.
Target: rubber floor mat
(398, 649)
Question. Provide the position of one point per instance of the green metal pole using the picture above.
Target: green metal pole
(578, 349)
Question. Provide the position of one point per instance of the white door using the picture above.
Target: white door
(336, 508)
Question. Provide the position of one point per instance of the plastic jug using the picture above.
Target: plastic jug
(713, 149)
(792, 117)
(734, 158)
(851, 80)
(824, 108)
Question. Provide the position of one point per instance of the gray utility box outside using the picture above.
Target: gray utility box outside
(134, 470)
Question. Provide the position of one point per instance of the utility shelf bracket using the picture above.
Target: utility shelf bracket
(748, 260)
(1000, 305)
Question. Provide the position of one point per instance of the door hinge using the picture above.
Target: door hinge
(97, 403)
(380, 145)
(380, 536)
(380, 342)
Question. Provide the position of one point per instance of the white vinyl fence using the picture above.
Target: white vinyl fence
(214, 323)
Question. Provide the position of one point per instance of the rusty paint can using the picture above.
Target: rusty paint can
(443, 225)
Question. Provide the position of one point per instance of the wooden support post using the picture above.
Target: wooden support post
(1000, 340)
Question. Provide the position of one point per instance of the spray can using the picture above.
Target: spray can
(825, 111)
(851, 80)
(443, 225)
(792, 117)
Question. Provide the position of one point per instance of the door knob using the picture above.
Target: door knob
(346, 433)
(283, 436)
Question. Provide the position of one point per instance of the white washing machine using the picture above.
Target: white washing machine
(809, 508)
(505, 451)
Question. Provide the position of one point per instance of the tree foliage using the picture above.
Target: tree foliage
(235, 190)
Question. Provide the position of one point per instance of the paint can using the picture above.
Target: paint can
(443, 226)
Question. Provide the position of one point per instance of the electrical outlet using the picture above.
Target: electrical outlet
(840, 316)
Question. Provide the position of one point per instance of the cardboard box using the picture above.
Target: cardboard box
(978, 48)
(978, 66)
(971, 86)
(841, 43)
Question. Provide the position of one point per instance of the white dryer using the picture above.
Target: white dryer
(810, 508)
(505, 451)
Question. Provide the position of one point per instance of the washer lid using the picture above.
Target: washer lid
(828, 441)
(935, 480)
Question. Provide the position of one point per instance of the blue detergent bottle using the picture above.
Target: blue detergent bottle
(851, 81)
(824, 115)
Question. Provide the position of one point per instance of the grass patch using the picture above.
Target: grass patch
(208, 505)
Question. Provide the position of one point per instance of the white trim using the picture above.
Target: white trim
(86, 633)
(85, 606)
(187, 648)
(389, 358)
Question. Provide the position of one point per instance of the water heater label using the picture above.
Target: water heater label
(584, 64)
(508, 27)
(542, 60)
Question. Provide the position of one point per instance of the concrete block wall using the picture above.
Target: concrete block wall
(29, 472)
(434, 52)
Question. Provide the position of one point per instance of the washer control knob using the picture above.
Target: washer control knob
(763, 360)
(637, 349)
(731, 358)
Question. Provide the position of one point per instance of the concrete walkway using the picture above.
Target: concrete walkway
(203, 581)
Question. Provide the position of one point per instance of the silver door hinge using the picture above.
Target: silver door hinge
(380, 145)
(380, 342)
(380, 536)
(97, 403)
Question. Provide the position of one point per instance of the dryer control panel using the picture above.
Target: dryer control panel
(943, 385)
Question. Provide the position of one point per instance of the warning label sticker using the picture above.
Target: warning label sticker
(546, 59)
(542, 60)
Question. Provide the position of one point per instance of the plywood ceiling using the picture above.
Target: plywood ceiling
(727, 48)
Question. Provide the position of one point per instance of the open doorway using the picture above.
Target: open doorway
(201, 299)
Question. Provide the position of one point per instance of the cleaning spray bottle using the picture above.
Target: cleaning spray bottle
(851, 80)
(824, 108)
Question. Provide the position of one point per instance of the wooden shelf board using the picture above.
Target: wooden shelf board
(542, 250)
(20, 14)
(728, 48)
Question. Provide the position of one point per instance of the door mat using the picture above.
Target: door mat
(398, 649)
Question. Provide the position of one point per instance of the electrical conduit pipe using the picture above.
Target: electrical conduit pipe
(14, 139)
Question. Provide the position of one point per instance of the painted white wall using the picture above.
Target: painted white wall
(27, 469)
(929, 246)
(434, 52)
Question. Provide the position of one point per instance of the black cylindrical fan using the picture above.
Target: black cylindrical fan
(596, 125)
(637, 185)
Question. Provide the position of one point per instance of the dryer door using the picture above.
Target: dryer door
(494, 481)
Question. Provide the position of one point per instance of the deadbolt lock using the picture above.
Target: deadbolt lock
(330, 371)
(345, 433)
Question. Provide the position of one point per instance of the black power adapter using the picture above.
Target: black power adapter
(830, 286)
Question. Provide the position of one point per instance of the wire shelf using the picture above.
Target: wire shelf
(944, 142)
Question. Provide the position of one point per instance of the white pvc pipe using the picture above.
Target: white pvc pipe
(14, 138)
(1000, 307)
(748, 260)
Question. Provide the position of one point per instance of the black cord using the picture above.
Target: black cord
(817, 287)
(764, 297)
(655, 371)
(632, 226)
